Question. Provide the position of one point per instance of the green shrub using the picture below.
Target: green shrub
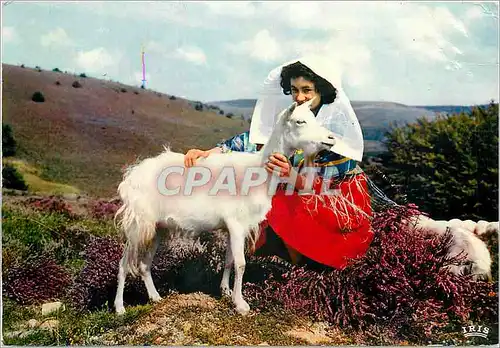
(448, 166)
(8, 142)
(12, 179)
(38, 97)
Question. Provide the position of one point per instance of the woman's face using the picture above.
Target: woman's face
(304, 90)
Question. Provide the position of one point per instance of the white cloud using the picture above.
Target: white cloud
(9, 34)
(56, 37)
(191, 54)
(236, 9)
(97, 60)
(263, 46)
(153, 46)
(427, 34)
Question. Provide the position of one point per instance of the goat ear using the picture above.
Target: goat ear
(291, 108)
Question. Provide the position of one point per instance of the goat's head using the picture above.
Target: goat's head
(301, 130)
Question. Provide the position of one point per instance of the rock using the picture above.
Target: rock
(186, 327)
(158, 341)
(50, 324)
(315, 335)
(51, 307)
(70, 196)
(32, 323)
(263, 344)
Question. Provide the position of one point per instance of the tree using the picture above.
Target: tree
(8, 142)
(448, 166)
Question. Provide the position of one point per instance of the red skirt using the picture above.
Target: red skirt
(314, 230)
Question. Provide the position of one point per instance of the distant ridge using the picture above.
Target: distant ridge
(375, 117)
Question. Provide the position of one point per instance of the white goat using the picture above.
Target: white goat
(465, 239)
(145, 207)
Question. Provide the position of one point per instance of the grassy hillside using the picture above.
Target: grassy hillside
(84, 136)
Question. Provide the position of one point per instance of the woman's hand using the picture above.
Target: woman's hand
(280, 163)
(283, 165)
(192, 155)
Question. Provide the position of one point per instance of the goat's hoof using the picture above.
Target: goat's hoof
(120, 310)
(243, 308)
(156, 298)
(226, 291)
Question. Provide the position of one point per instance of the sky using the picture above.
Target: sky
(415, 53)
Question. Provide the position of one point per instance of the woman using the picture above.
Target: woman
(329, 230)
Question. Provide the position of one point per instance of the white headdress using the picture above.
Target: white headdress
(338, 117)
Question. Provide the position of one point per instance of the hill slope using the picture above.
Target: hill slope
(84, 136)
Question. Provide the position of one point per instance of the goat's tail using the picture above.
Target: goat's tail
(139, 232)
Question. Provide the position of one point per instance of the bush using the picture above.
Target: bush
(9, 144)
(12, 179)
(449, 166)
(123, 90)
(56, 70)
(38, 97)
(58, 83)
(172, 97)
(83, 75)
(96, 283)
(51, 204)
(102, 209)
(229, 115)
(399, 290)
(76, 84)
(221, 112)
(198, 106)
(37, 280)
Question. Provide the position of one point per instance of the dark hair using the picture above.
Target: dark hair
(327, 91)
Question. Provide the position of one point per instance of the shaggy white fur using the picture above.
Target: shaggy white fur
(465, 240)
(145, 207)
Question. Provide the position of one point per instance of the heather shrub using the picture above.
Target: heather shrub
(51, 204)
(96, 283)
(37, 280)
(400, 287)
(102, 209)
(12, 179)
(179, 267)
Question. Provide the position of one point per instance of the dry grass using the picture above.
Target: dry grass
(82, 137)
(37, 185)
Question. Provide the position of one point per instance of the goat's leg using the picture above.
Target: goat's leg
(145, 268)
(224, 284)
(237, 239)
(122, 275)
